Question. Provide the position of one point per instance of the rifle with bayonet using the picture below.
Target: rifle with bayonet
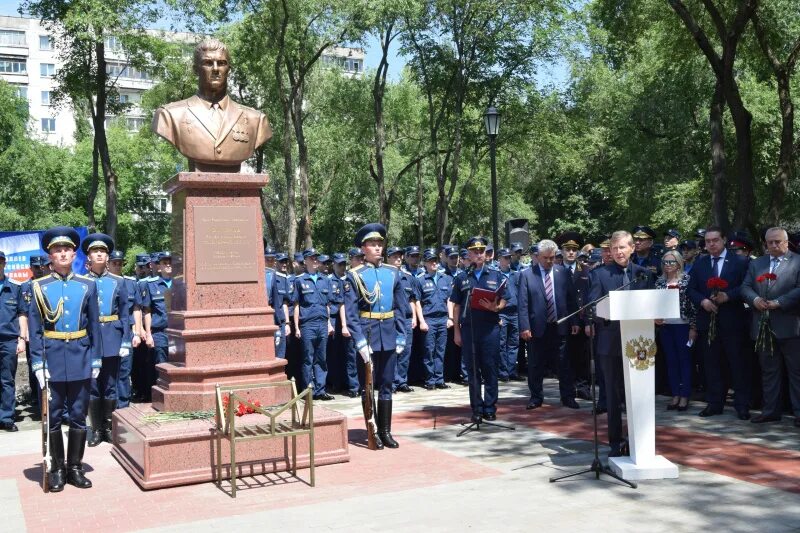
(44, 402)
(368, 401)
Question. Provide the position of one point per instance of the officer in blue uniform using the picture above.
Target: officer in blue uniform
(394, 257)
(13, 309)
(412, 257)
(269, 268)
(280, 300)
(509, 320)
(478, 328)
(490, 262)
(435, 311)
(66, 345)
(115, 329)
(115, 262)
(312, 298)
(345, 346)
(141, 352)
(375, 304)
(156, 295)
(644, 255)
(517, 252)
(35, 263)
(451, 265)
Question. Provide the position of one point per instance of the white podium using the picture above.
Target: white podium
(636, 310)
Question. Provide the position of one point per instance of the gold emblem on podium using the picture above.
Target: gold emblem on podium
(641, 353)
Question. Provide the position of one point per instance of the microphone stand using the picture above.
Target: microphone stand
(475, 392)
(597, 466)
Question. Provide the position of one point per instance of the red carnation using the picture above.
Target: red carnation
(766, 277)
(673, 286)
(716, 284)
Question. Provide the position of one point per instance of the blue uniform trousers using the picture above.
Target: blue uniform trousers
(280, 343)
(404, 359)
(314, 336)
(124, 380)
(509, 345)
(160, 354)
(140, 376)
(435, 345)
(105, 386)
(8, 371)
(679, 358)
(335, 351)
(70, 398)
(351, 365)
(487, 359)
(384, 367)
(549, 348)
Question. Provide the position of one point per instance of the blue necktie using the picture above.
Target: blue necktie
(714, 263)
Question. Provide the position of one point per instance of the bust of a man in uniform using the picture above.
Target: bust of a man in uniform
(215, 133)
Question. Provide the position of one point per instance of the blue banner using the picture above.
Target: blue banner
(20, 246)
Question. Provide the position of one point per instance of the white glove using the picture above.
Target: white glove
(365, 352)
(40, 376)
(124, 351)
(95, 373)
(399, 349)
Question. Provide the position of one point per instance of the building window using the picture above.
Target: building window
(45, 42)
(12, 37)
(161, 205)
(120, 70)
(12, 65)
(112, 44)
(47, 69)
(124, 98)
(45, 97)
(134, 123)
(48, 125)
(22, 91)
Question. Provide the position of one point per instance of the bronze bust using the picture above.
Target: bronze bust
(215, 133)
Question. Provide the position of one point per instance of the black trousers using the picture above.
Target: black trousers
(611, 364)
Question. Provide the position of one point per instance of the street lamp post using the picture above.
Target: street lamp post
(492, 122)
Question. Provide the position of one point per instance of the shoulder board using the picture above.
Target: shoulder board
(422, 274)
(151, 279)
(281, 274)
(130, 278)
(43, 278)
(114, 276)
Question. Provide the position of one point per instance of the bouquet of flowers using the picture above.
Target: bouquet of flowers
(764, 340)
(715, 285)
(241, 409)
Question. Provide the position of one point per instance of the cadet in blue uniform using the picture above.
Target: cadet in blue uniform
(115, 328)
(115, 261)
(375, 304)
(156, 294)
(435, 311)
(644, 256)
(479, 327)
(141, 351)
(509, 320)
(394, 257)
(280, 299)
(269, 269)
(412, 257)
(66, 343)
(346, 347)
(312, 293)
(13, 309)
(35, 263)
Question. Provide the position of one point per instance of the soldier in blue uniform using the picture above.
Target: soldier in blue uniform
(346, 347)
(479, 329)
(644, 256)
(509, 320)
(13, 310)
(141, 352)
(451, 264)
(115, 329)
(312, 294)
(517, 251)
(115, 261)
(269, 268)
(412, 257)
(66, 344)
(35, 263)
(375, 304)
(394, 257)
(156, 294)
(280, 299)
(356, 257)
(435, 311)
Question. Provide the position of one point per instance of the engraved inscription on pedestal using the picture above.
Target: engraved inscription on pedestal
(223, 244)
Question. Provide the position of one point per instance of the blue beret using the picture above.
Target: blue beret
(97, 240)
(339, 258)
(476, 243)
(412, 250)
(310, 252)
(370, 231)
(394, 250)
(116, 255)
(503, 252)
(60, 235)
(428, 254)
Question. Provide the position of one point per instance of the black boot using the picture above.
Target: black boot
(58, 472)
(385, 423)
(96, 418)
(76, 444)
(109, 406)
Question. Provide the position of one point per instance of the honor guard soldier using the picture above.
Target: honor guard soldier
(280, 300)
(509, 320)
(408, 281)
(451, 266)
(477, 329)
(155, 305)
(435, 311)
(312, 293)
(13, 320)
(115, 262)
(490, 262)
(66, 347)
(375, 305)
(298, 264)
(740, 243)
(644, 256)
(112, 301)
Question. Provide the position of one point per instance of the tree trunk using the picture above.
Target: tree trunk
(783, 175)
(91, 223)
(101, 141)
(272, 234)
(420, 207)
(742, 120)
(378, 92)
(302, 168)
(719, 209)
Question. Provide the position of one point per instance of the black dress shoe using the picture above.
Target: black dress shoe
(324, 397)
(533, 405)
(743, 414)
(760, 419)
(428, 386)
(672, 406)
(442, 386)
(490, 416)
(615, 452)
(601, 410)
(351, 394)
(404, 388)
(476, 419)
(571, 403)
(517, 378)
(11, 427)
(709, 411)
(504, 380)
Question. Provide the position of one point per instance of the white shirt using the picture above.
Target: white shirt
(719, 263)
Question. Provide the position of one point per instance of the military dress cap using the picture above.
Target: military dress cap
(45, 260)
(269, 251)
(164, 255)
(700, 233)
(606, 242)
(35, 261)
(583, 256)
(643, 232)
(687, 245)
(116, 255)
(142, 259)
(516, 247)
(595, 256)
(324, 258)
(503, 252)
(489, 248)
(281, 256)
(412, 250)
(298, 257)
(310, 252)
(476, 243)
(673, 233)
(451, 250)
(534, 249)
(154, 257)
(559, 253)
(463, 253)
(390, 251)
(339, 258)
(569, 239)
(369, 232)
(97, 240)
(740, 240)
(429, 254)
(60, 235)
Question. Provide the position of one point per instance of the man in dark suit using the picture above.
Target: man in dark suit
(546, 293)
(727, 309)
(781, 300)
(621, 273)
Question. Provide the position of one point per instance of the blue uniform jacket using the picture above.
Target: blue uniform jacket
(434, 291)
(512, 281)
(312, 297)
(337, 294)
(408, 282)
(12, 305)
(490, 279)
(282, 293)
(375, 305)
(732, 315)
(533, 302)
(112, 300)
(269, 279)
(71, 360)
(154, 290)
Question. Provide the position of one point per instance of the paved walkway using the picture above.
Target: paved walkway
(734, 476)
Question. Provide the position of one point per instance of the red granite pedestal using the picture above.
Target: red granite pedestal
(220, 332)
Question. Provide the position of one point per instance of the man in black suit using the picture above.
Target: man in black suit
(727, 309)
(781, 299)
(604, 279)
(546, 294)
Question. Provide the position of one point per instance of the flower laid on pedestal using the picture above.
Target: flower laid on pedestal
(764, 341)
(715, 285)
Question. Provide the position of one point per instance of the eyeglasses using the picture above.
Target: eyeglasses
(669, 262)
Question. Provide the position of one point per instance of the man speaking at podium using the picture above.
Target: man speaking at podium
(622, 274)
